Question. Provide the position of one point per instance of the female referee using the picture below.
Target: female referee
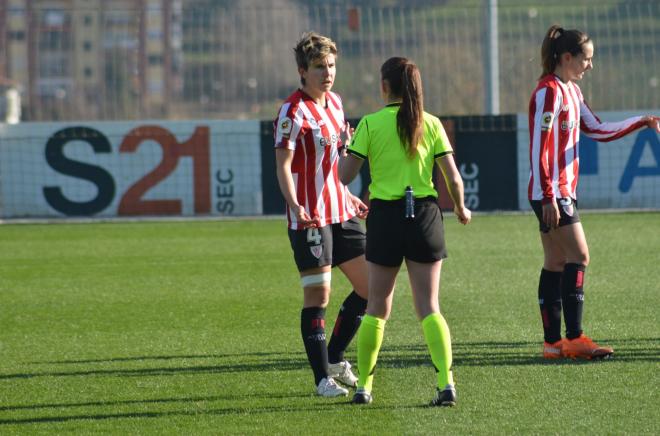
(321, 212)
(557, 113)
(402, 142)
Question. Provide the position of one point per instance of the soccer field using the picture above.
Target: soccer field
(193, 327)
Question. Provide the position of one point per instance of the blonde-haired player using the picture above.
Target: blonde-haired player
(320, 210)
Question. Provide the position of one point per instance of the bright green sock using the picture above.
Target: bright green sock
(369, 340)
(436, 333)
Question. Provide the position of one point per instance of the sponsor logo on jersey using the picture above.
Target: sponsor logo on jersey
(316, 250)
(546, 120)
(567, 125)
(285, 126)
(567, 205)
(326, 141)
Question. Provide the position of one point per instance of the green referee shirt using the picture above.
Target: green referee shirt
(392, 169)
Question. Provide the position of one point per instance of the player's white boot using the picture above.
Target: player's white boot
(329, 388)
(341, 372)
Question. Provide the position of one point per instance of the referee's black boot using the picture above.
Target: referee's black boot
(361, 397)
(445, 397)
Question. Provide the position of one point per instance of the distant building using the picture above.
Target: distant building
(10, 102)
(78, 58)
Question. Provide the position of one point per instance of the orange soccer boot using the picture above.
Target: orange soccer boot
(583, 347)
(553, 350)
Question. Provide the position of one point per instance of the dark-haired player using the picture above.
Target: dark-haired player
(402, 144)
(557, 114)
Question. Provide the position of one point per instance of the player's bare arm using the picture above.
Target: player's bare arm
(349, 167)
(283, 159)
(652, 122)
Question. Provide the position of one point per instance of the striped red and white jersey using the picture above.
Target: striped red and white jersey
(557, 113)
(313, 133)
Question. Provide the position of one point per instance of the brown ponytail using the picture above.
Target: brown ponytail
(405, 82)
(558, 41)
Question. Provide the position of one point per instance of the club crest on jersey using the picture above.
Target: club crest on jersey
(567, 205)
(546, 120)
(316, 250)
(286, 125)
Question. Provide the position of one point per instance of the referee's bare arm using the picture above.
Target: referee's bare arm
(455, 187)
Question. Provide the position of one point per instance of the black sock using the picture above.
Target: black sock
(550, 303)
(347, 323)
(312, 327)
(572, 296)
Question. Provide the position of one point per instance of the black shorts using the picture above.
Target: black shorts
(391, 236)
(329, 245)
(568, 212)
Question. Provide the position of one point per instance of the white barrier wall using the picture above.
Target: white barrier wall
(619, 174)
(130, 168)
(185, 168)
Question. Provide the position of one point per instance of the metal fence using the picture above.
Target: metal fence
(172, 59)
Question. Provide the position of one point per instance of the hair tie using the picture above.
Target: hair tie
(559, 31)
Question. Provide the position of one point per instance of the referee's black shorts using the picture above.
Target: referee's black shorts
(391, 236)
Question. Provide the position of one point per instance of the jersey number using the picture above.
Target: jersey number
(313, 235)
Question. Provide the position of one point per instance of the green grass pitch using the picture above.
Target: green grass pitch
(193, 328)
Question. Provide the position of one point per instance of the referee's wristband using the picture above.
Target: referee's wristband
(356, 154)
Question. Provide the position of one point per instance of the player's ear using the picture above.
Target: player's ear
(384, 87)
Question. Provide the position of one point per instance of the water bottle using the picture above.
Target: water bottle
(410, 203)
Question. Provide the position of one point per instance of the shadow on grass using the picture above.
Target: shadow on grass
(492, 353)
(320, 407)
(263, 365)
(167, 357)
(148, 401)
(397, 356)
(518, 353)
